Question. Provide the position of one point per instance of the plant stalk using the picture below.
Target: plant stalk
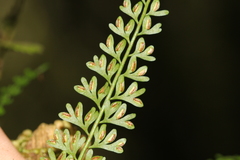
(113, 85)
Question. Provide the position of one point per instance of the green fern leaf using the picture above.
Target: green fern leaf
(109, 98)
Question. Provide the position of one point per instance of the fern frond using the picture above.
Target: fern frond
(19, 82)
(109, 98)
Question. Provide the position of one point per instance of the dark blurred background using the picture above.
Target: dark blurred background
(192, 103)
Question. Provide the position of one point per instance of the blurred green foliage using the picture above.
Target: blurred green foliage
(7, 28)
(21, 47)
(7, 93)
(221, 157)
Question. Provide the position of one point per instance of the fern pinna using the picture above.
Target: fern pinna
(111, 97)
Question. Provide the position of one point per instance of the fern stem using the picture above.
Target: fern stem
(113, 85)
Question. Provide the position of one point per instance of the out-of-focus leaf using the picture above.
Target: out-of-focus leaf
(21, 47)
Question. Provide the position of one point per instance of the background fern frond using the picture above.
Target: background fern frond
(7, 93)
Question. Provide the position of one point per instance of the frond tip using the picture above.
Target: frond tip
(110, 97)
